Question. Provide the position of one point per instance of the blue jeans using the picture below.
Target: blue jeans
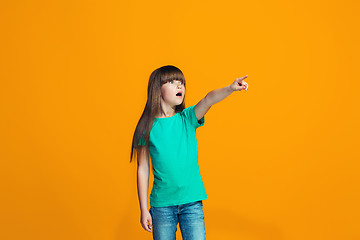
(190, 217)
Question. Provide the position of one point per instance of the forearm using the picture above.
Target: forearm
(218, 95)
(143, 187)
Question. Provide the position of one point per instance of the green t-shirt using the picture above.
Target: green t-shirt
(174, 156)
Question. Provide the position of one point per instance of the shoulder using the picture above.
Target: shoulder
(189, 114)
(188, 109)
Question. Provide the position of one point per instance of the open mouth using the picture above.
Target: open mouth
(179, 94)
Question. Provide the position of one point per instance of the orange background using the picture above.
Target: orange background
(280, 161)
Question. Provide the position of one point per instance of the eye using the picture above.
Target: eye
(171, 81)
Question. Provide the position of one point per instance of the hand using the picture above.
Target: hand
(239, 84)
(146, 221)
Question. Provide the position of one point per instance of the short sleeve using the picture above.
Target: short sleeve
(190, 115)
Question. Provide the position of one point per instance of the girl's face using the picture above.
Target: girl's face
(173, 92)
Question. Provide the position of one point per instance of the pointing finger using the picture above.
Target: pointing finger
(240, 80)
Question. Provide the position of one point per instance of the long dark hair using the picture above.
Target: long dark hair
(153, 105)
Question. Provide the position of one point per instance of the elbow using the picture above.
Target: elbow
(143, 169)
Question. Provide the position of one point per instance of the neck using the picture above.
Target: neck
(167, 109)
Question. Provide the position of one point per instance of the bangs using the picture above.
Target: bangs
(172, 75)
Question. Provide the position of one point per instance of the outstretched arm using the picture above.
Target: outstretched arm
(217, 95)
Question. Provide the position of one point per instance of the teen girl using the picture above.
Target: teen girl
(166, 132)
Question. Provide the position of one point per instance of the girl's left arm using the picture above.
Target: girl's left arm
(217, 95)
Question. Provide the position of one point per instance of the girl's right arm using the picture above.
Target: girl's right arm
(217, 95)
(143, 170)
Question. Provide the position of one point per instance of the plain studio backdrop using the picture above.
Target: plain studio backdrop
(279, 162)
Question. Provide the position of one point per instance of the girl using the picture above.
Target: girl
(166, 132)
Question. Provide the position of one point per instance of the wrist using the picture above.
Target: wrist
(230, 87)
(144, 210)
